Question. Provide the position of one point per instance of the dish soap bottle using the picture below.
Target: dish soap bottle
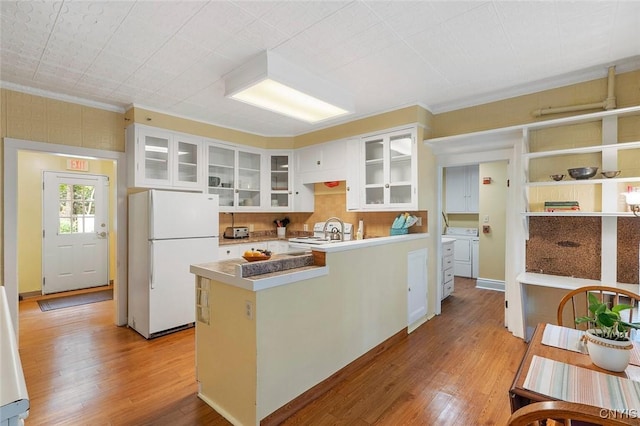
(360, 231)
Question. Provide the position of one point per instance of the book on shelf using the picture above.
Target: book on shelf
(560, 206)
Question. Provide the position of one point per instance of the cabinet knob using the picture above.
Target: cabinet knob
(318, 162)
(348, 188)
(386, 185)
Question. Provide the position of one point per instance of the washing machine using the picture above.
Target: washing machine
(466, 251)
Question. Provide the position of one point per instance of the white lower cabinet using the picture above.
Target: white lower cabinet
(234, 251)
(278, 246)
(447, 268)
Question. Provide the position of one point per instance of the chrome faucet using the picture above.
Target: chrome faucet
(324, 229)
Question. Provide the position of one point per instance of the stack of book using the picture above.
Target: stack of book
(561, 206)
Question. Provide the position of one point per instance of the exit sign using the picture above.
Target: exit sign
(78, 164)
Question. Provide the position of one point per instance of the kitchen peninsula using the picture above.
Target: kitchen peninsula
(262, 341)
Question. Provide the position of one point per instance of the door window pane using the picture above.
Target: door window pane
(77, 209)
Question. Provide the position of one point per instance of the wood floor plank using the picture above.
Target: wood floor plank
(82, 370)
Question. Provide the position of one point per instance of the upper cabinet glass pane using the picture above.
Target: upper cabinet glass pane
(156, 157)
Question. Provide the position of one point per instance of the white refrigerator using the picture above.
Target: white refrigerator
(168, 231)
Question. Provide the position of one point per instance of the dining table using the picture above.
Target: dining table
(556, 366)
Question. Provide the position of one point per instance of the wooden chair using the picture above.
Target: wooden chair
(579, 303)
(570, 413)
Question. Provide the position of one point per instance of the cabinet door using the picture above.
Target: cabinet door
(154, 156)
(277, 247)
(401, 169)
(416, 285)
(473, 202)
(249, 179)
(374, 171)
(462, 189)
(186, 162)
(220, 175)
(279, 193)
(353, 174)
(390, 171)
(456, 189)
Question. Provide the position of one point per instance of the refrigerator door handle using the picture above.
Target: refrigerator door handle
(151, 219)
(151, 250)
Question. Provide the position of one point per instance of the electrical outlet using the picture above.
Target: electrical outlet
(305, 227)
(248, 309)
(419, 222)
(251, 227)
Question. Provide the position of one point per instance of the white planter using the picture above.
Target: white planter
(608, 354)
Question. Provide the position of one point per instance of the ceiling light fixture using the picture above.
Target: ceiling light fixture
(269, 81)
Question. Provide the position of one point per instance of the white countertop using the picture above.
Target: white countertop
(224, 271)
(568, 283)
(357, 244)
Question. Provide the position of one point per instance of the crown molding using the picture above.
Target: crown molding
(60, 97)
(581, 76)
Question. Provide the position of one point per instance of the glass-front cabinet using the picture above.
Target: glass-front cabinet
(279, 180)
(248, 188)
(221, 174)
(234, 175)
(163, 159)
(389, 173)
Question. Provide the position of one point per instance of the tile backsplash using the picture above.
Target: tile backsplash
(328, 202)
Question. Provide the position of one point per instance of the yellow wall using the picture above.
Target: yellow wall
(518, 110)
(30, 168)
(493, 198)
(25, 116)
(34, 118)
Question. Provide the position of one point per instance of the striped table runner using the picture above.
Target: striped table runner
(575, 384)
(571, 340)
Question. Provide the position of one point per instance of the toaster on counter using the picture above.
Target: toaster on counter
(236, 232)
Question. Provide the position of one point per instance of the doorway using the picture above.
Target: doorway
(75, 244)
(483, 192)
(11, 241)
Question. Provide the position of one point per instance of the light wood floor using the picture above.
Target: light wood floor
(82, 370)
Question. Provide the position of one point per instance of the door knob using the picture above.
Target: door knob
(102, 234)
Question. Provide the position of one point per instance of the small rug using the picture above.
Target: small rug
(75, 300)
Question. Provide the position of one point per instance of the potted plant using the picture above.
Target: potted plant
(608, 341)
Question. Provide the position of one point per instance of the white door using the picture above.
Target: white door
(417, 285)
(75, 248)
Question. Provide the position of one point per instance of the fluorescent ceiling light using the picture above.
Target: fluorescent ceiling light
(270, 82)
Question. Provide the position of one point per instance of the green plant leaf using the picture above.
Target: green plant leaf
(620, 307)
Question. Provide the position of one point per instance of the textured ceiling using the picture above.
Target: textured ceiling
(171, 56)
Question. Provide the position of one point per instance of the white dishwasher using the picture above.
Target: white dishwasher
(466, 248)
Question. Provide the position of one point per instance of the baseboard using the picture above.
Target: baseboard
(295, 405)
(488, 284)
(29, 294)
(219, 410)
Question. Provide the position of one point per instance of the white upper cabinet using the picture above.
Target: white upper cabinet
(353, 175)
(235, 175)
(279, 190)
(462, 189)
(323, 162)
(388, 178)
(162, 159)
